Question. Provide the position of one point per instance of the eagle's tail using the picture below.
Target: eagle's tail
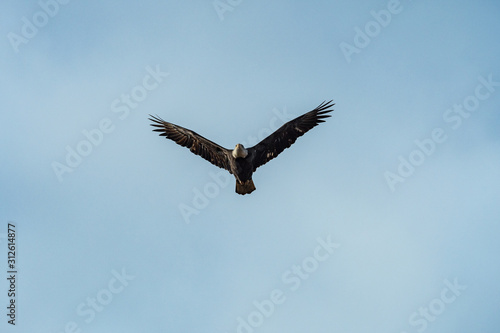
(245, 187)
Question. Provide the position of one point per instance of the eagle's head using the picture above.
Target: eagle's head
(239, 151)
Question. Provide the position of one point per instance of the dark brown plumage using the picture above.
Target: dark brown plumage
(287, 134)
(199, 145)
(243, 162)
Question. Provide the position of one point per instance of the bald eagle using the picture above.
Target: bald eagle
(241, 161)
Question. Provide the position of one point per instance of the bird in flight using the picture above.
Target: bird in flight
(240, 161)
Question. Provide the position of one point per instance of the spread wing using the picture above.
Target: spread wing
(197, 144)
(286, 135)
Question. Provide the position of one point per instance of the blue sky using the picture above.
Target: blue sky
(383, 219)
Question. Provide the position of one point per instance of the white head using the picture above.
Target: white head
(239, 151)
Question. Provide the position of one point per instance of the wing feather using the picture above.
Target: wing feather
(196, 143)
(287, 134)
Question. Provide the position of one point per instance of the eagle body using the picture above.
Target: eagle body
(240, 161)
(242, 169)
